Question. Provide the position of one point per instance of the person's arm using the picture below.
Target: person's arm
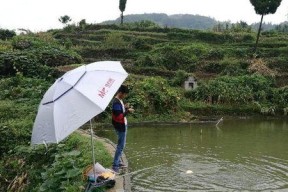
(117, 112)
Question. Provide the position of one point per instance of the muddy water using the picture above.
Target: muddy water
(240, 155)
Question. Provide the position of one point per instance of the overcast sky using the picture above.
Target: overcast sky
(38, 15)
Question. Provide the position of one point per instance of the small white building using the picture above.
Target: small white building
(190, 84)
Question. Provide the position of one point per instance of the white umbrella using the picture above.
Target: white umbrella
(74, 99)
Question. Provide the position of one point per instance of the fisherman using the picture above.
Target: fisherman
(119, 121)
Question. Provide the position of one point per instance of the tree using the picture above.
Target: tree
(122, 7)
(264, 7)
(65, 19)
(6, 34)
(82, 24)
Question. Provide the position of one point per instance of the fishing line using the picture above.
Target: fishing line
(139, 170)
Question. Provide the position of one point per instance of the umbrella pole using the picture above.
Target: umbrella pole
(93, 154)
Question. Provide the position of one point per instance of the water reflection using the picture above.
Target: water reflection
(239, 155)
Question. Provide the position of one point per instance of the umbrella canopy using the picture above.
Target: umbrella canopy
(75, 98)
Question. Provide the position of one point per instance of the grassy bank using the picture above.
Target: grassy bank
(26, 168)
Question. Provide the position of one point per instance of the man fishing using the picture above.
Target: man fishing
(119, 121)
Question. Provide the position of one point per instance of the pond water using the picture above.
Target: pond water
(239, 155)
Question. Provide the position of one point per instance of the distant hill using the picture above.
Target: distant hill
(179, 20)
(187, 21)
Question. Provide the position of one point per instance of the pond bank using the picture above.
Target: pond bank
(122, 183)
(197, 120)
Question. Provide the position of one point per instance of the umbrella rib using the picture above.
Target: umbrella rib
(66, 90)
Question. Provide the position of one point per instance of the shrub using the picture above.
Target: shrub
(215, 54)
(141, 44)
(145, 61)
(46, 49)
(150, 71)
(248, 38)
(234, 67)
(6, 34)
(5, 46)
(179, 78)
(114, 41)
(26, 63)
(105, 53)
(214, 67)
(238, 52)
(23, 88)
(172, 57)
(152, 95)
(31, 41)
(280, 64)
(214, 37)
(239, 89)
(280, 96)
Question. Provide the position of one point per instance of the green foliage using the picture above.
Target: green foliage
(59, 169)
(206, 109)
(68, 43)
(233, 67)
(30, 169)
(214, 37)
(115, 41)
(6, 34)
(19, 100)
(31, 41)
(179, 78)
(65, 19)
(25, 63)
(141, 44)
(173, 57)
(64, 168)
(23, 88)
(238, 52)
(152, 95)
(215, 54)
(122, 5)
(214, 67)
(83, 24)
(280, 96)
(150, 71)
(5, 46)
(279, 63)
(264, 7)
(143, 24)
(35, 56)
(46, 49)
(238, 90)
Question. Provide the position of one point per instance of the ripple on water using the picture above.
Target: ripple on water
(211, 174)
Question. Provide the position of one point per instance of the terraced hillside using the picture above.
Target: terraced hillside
(154, 50)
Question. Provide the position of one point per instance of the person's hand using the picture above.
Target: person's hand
(131, 110)
(127, 105)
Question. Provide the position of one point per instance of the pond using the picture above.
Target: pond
(239, 155)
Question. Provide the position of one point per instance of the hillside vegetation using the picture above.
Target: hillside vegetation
(232, 80)
(230, 74)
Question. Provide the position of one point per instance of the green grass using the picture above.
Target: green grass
(26, 168)
(58, 169)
